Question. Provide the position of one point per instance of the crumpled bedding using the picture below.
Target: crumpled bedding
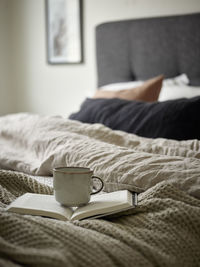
(164, 230)
(35, 144)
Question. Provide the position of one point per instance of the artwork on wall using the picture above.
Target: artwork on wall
(64, 31)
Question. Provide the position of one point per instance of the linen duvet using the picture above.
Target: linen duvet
(164, 230)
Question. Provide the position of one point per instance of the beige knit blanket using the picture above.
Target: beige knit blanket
(164, 230)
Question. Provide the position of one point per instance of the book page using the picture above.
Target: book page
(104, 203)
(41, 205)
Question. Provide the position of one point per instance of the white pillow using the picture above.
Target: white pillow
(178, 88)
(178, 91)
(120, 86)
(182, 79)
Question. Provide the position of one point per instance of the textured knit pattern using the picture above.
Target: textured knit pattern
(164, 230)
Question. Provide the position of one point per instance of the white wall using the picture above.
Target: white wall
(59, 89)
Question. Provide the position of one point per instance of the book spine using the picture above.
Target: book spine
(135, 201)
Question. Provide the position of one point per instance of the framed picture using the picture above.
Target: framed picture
(64, 31)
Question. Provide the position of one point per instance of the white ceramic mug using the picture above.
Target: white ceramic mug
(73, 185)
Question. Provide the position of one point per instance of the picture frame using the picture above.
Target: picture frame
(64, 31)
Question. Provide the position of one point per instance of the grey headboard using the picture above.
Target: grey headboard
(140, 49)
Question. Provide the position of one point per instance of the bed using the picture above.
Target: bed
(164, 229)
(164, 54)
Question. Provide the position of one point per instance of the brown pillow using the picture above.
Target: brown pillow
(149, 91)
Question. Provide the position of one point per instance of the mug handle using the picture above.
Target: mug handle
(102, 184)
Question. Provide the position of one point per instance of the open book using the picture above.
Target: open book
(99, 205)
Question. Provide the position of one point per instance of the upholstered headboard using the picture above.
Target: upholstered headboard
(140, 49)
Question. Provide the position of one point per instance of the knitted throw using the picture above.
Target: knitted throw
(164, 230)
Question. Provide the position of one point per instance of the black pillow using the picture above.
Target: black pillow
(174, 119)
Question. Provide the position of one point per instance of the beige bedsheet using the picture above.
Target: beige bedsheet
(35, 144)
(164, 230)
